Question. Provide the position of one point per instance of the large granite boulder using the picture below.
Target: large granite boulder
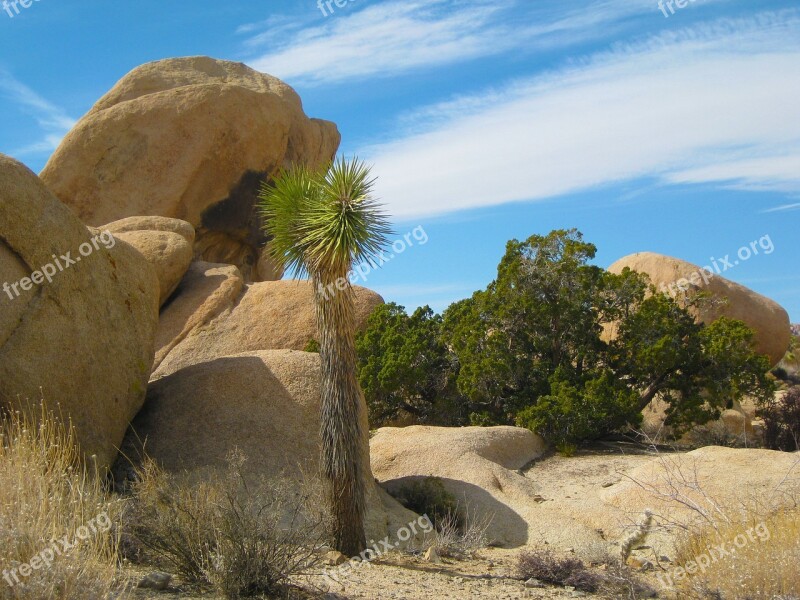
(265, 405)
(192, 139)
(270, 315)
(78, 315)
(766, 318)
(478, 465)
(167, 244)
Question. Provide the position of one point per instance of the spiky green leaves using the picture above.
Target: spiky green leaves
(324, 221)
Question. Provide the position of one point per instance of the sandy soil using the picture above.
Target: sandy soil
(566, 506)
(491, 575)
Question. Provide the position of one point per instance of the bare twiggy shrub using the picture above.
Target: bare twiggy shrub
(461, 534)
(745, 549)
(548, 568)
(47, 493)
(226, 534)
(617, 581)
(716, 433)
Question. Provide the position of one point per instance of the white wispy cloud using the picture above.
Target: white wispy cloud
(394, 37)
(51, 119)
(783, 207)
(715, 103)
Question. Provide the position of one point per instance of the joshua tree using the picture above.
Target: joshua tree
(321, 223)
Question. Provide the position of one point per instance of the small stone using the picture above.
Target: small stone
(607, 484)
(533, 583)
(155, 581)
(635, 563)
(578, 594)
(334, 558)
(639, 564)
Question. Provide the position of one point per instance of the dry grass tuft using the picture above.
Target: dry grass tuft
(46, 494)
(224, 534)
(760, 564)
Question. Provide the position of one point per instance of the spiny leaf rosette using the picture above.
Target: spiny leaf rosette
(321, 224)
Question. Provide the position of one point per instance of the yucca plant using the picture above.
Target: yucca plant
(321, 224)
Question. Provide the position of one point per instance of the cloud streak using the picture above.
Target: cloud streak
(51, 119)
(715, 103)
(391, 38)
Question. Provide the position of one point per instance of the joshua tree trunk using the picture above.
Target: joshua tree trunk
(342, 435)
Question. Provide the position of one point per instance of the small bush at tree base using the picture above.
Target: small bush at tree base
(428, 496)
(223, 534)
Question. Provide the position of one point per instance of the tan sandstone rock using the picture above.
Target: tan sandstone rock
(711, 479)
(266, 404)
(737, 423)
(188, 138)
(769, 320)
(478, 465)
(204, 293)
(82, 341)
(268, 315)
(586, 504)
(167, 244)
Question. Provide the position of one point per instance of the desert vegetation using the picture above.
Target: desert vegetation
(56, 535)
(321, 223)
(224, 534)
(66, 536)
(458, 532)
(762, 551)
(536, 349)
(782, 421)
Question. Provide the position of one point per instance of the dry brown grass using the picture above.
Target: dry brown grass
(45, 495)
(761, 563)
(224, 533)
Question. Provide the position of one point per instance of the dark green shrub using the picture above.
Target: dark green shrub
(570, 414)
(782, 422)
(428, 496)
(406, 371)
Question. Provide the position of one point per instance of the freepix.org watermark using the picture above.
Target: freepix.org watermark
(378, 549)
(13, 5)
(704, 275)
(329, 4)
(360, 273)
(663, 5)
(59, 264)
(45, 558)
(713, 554)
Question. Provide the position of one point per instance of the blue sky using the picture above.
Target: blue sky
(486, 121)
